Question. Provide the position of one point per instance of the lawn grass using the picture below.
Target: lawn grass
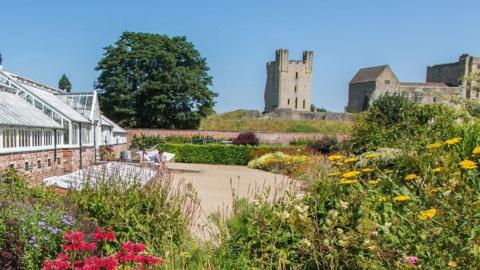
(234, 121)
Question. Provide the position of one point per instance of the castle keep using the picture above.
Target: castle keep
(443, 83)
(289, 82)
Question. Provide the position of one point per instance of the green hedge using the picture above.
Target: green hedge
(215, 153)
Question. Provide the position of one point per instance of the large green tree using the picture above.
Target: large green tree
(154, 81)
(64, 83)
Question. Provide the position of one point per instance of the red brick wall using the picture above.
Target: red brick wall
(283, 138)
(69, 161)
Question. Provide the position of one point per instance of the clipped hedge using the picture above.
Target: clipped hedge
(218, 153)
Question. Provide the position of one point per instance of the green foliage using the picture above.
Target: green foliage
(149, 214)
(396, 122)
(301, 127)
(152, 80)
(209, 154)
(235, 121)
(64, 83)
(32, 221)
(262, 235)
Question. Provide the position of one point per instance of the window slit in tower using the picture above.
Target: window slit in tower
(304, 103)
(296, 103)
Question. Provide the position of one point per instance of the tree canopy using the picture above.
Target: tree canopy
(154, 81)
(64, 83)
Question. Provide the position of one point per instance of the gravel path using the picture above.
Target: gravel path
(214, 184)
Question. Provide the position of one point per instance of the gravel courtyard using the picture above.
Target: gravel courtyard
(214, 184)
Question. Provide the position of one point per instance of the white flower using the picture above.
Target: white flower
(305, 242)
(344, 205)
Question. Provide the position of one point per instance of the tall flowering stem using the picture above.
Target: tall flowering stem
(81, 255)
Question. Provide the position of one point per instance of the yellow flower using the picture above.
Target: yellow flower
(454, 140)
(349, 160)
(383, 199)
(335, 157)
(347, 182)
(452, 263)
(339, 163)
(411, 176)
(437, 169)
(434, 145)
(351, 174)
(476, 151)
(428, 214)
(401, 198)
(373, 182)
(334, 174)
(371, 155)
(367, 170)
(468, 165)
(388, 171)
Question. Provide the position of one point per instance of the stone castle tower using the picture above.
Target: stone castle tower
(289, 82)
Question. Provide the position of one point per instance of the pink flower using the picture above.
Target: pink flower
(411, 260)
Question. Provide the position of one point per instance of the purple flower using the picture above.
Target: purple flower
(67, 220)
(53, 230)
(411, 260)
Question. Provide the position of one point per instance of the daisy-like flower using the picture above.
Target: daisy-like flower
(351, 174)
(476, 151)
(434, 145)
(453, 141)
(452, 263)
(371, 155)
(367, 170)
(410, 177)
(468, 165)
(401, 198)
(437, 169)
(350, 160)
(373, 182)
(335, 157)
(383, 199)
(347, 181)
(428, 214)
(388, 171)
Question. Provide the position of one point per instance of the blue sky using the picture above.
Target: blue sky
(43, 39)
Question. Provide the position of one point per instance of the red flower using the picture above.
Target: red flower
(55, 265)
(73, 236)
(77, 248)
(100, 235)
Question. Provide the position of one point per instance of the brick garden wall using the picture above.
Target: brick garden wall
(68, 160)
(281, 138)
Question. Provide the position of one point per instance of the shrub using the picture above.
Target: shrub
(224, 154)
(209, 154)
(31, 223)
(278, 162)
(246, 138)
(154, 214)
(396, 122)
(264, 235)
(324, 145)
(107, 153)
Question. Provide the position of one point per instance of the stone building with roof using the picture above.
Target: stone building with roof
(46, 131)
(443, 83)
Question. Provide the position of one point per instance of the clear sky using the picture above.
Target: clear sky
(43, 39)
